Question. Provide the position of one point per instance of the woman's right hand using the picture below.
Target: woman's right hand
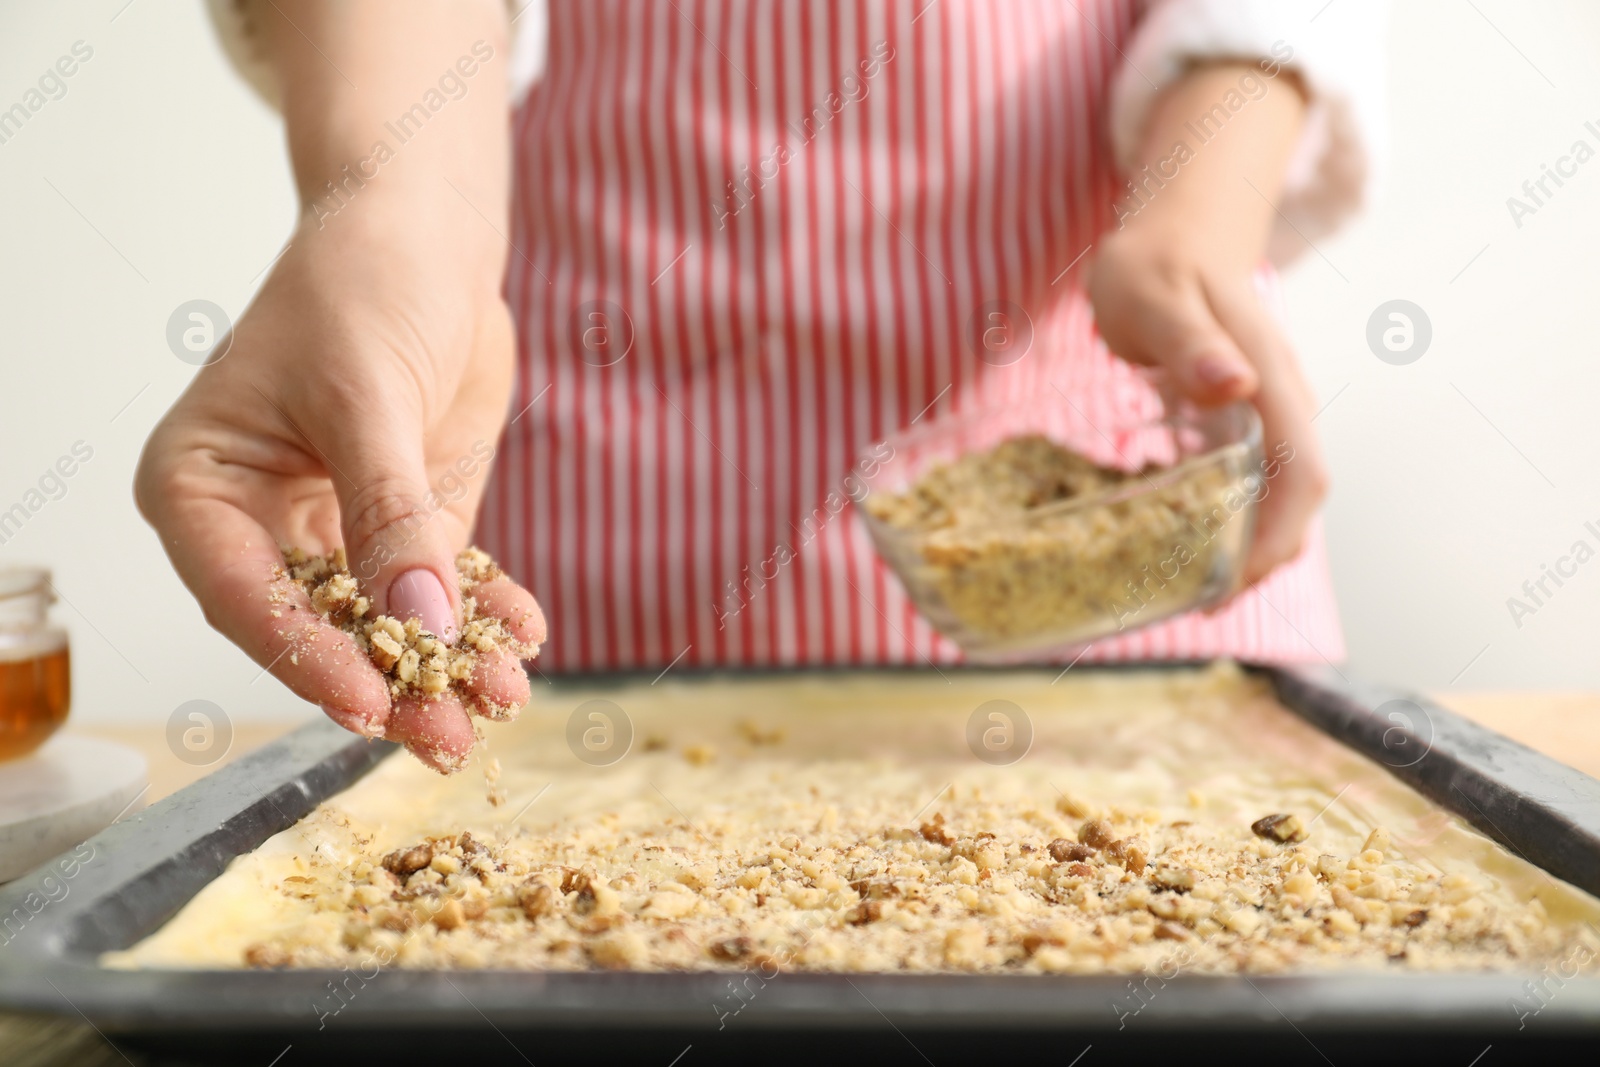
(358, 405)
(372, 370)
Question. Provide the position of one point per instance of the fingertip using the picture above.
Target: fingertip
(1267, 557)
(498, 686)
(442, 759)
(324, 665)
(1218, 378)
(356, 722)
(438, 732)
(516, 607)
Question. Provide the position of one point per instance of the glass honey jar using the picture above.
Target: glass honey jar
(35, 673)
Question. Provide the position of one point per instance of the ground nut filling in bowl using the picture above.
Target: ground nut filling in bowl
(1160, 822)
(1027, 532)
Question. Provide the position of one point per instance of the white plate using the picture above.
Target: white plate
(70, 789)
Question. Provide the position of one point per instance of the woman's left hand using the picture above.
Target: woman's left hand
(1174, 288)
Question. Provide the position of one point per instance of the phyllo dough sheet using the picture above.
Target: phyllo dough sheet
(1146, 821)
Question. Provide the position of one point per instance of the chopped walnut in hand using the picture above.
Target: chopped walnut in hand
(414, 661)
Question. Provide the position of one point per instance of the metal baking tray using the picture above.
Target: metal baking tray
(145, 868)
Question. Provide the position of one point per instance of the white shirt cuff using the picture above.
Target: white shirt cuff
(235, 22)
(1337, 50)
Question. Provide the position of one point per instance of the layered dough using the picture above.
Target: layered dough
(844, 823)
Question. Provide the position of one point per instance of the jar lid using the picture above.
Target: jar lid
(25, 593)
(24, 581)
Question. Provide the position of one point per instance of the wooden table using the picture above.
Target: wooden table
(1563, 725)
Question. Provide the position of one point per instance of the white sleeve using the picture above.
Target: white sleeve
(1338, 51)
(235, 22)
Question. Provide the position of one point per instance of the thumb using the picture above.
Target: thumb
(1208, 367)
(396, 544)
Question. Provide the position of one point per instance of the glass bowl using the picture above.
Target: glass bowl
(1159, 524)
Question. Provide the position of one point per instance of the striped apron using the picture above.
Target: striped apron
(751, 239)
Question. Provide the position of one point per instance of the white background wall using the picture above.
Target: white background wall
(1439, 513)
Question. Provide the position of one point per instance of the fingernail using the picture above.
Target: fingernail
(418, 594)
(349, 720)
(1214, 370)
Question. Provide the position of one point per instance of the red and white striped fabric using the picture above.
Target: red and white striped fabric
(705, 348)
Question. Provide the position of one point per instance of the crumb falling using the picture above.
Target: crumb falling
(491, 779)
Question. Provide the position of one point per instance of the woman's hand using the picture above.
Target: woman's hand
(358, 406)
(365, 387)
(1173, 286)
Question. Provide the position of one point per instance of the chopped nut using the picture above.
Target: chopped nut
(597, 900)
(934, 831)
(1129, 852)
(700, 755)
(449, 916)
(385, 650)
(1338, 921)
(730, 948)
(1343, 898)
(403, 861)
(413, 661)
(1285, 828)
(1062, 850)
(758, 735)
(536, 900)
(808, 863)
(620, 950)
(1176, 879)
(259, 955)
(1072, 807)
(406, 669)
(669, 905)
(586, 901)
(1007, 563)
(433, 680)
(868, 911)
(1096, 833)
(473, 566)
(874, 890)
(335, 598)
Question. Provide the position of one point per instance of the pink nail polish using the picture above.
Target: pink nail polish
(418, 594)
(1213, 370)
